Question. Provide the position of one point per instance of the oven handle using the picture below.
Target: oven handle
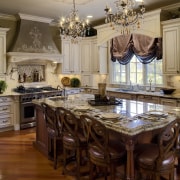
(29, 102)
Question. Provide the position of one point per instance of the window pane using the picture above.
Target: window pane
(139, 67)
(137, 73)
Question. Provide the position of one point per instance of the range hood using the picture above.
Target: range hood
(34, 41)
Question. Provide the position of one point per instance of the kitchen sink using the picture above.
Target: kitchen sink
(127, 90)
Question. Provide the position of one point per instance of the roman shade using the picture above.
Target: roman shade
(145, 48)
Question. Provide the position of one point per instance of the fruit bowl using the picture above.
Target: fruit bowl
(167, 90)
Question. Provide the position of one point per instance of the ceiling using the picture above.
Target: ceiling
(56, 8)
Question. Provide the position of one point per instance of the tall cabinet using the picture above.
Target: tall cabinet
(171, 46)
(3, 32)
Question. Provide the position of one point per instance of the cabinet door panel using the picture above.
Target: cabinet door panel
(75, 58)
(71, 57)
(171, 45)
(86, 80)
(86, 57)
(95, 58)
(66, 57)
(168, 102)
(3, 32)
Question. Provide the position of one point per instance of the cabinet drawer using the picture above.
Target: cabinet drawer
(5, 120)
(127, 96)
(5, 99)
(168, 102)
(150, 99)
(5, 109)
(115, 94)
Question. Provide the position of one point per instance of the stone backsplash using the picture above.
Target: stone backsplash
(31, 73)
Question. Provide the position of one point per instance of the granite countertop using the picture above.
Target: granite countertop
(118, 117)
(8, 93)
(118, 90)
(141, 92)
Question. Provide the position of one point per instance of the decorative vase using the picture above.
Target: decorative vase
(102, 89)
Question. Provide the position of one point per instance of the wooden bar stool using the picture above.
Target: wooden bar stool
(53, 125)
(74, 143)
(155, 160)
(105, 152)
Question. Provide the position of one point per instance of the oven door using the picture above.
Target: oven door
(28, 115)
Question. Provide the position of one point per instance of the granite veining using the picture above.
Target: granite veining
(128, 122)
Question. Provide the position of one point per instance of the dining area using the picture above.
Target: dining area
(128, 139)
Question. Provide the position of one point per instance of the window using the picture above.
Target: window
(137, 73)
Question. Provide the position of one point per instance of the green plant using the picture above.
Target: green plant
(3, 86)
(75, 82)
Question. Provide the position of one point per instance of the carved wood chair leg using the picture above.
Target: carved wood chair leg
(91, 170)
(64, 160)
(78, 163)
(106, 173)
(112, 172)
(55, 154)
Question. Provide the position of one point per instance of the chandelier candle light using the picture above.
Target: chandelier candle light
(73, 26)
(127, 17)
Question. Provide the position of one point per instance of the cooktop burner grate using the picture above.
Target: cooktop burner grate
(23, 90)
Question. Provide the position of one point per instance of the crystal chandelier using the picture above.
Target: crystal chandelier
(73, 26)
(126, 16)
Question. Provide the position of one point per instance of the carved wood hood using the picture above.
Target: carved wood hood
(34, 41)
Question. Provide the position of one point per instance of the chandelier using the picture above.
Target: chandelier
(73, 26)
(126, 16)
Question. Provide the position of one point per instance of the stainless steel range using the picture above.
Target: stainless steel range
(27, 108)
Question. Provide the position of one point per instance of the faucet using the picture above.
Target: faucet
(131, 86)
(150, 88)
(63, 90)
(58, 87)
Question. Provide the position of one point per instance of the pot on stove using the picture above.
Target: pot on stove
(21, 88)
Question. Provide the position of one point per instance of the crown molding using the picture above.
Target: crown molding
(8, 17)
(170, 7)
(34, 18)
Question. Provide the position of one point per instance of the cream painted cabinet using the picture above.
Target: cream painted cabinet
(86, 80)
(171, 46)
(71, 57)
(3, 32)
(86, 56)
(168, 102)
(95, 57)
(148, 98)
(6, 113)
(100, 57)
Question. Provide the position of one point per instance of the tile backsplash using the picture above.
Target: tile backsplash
(31, 73)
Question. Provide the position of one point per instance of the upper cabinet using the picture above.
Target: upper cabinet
(3, 32)
(71, 57)
(100, 57)
(171, 46)
(84, 57)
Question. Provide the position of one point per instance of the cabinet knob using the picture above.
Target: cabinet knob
(177, 71)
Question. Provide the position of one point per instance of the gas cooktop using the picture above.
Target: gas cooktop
(22, 89)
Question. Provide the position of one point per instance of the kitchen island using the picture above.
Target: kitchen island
(132, 121)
